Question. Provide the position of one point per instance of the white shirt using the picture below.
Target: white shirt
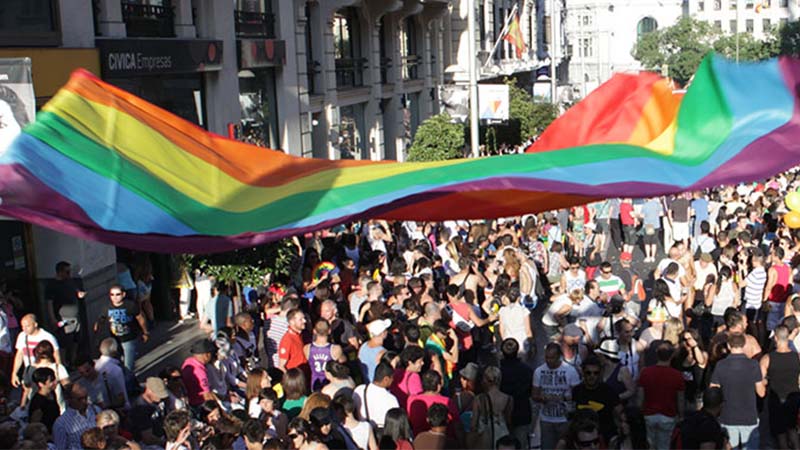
(32, 342)
(549, 317)
(512, 320)
(379, 400)
(5, 337)
(662, 266)
(558, 381)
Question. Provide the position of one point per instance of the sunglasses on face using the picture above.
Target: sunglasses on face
(590, 443)
(292, 436)
(115, 294)
(591, 372)
(606, 272)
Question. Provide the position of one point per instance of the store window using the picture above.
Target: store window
(181, 95)
(352, 139)
(254, 18)
(347, 48)
(29, 22)
(257, 97)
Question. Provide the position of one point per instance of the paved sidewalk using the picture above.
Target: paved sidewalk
(168, 346)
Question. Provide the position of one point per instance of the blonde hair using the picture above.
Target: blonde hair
(673, 329)
(315, 400)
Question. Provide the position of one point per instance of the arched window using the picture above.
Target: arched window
(646, 25)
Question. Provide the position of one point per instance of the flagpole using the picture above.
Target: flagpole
(552, 51)
(473, 80)
(502, 34)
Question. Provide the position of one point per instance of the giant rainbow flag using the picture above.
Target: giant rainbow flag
(102, 164)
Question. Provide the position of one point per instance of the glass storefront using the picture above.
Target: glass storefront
(257, 97)
(179, 94)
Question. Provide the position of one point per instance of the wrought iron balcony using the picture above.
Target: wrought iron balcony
(255, 24)
(350, 72)
(148, 20)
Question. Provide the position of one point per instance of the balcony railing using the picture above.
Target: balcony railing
(148, 20)
(350, 72)
(385, 65)
(255, 24)
(411, 67)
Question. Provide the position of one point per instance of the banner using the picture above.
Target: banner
(493, 101)
(17, 102)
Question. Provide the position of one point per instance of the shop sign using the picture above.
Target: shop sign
(255, 53)
(127, 57)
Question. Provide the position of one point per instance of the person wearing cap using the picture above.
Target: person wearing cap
(146, 416)
(195, 374)
(372, 351)
(573, 350)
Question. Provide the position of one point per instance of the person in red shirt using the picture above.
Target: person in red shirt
(290, 350)
(628, 223)
(419, 404)
(661, 393)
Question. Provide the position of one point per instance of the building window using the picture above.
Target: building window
(408, 49)
(733, 4)
(717, 5)
(352, 144)
(784, 21)
(766, 25)
(733, 27)
(784, 3)
(254, 18)
(29, 22)
(748, 4)
(586, 48)
(586, 20)
(701, 6)
(312, 65)
(148, 18)
(718, 25)
(646, 25)
(347, 48)
(385, 60)
(257, 97)
(499, 21)
(748, 25)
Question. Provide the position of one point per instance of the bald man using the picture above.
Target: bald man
(27, 340)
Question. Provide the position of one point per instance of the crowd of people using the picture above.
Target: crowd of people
(665, 323)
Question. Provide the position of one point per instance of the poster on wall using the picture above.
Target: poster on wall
(17, 101)
(493, 101)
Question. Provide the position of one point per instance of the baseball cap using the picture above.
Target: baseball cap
(157, 387)
(377, 327)
(203, 346)
(626, 256)
(572, 330)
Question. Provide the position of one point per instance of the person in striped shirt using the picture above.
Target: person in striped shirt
(609, 284)
(753, 286)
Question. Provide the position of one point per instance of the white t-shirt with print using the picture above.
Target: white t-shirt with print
(557, 382)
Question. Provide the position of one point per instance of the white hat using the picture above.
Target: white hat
(377, 327)
(590, 225)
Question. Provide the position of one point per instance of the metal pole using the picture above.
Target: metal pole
(582, 53)
(473, 80)
(552, 52)
(506, 24)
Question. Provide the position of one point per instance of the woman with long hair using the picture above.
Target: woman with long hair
(396, 431)
(302, 436)
(491, 412)
(315, 400)
(44, 355)
(360, 430)
(727, 295)
(257, 380)
(632, 431)
(691, 360)
(295, 391)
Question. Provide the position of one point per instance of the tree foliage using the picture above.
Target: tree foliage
(680, 47)
(788, 39)
(750, 49)
(533, 117)
(437, 138)
(246, 266)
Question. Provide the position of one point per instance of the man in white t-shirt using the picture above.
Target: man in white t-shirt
(552, 387)
(373, 400)
(27, 341)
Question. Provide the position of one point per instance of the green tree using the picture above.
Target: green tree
(533, 117)
(750, 49)
(246, 266)
(680, 47)
(789, 39)
(437, 138)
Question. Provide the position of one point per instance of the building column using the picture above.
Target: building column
(109, 19)
(215, 21)
(76, 33)
(289, 29)
(184, 24)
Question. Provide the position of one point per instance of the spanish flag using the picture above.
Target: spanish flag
(761, 6)
(514, 36)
